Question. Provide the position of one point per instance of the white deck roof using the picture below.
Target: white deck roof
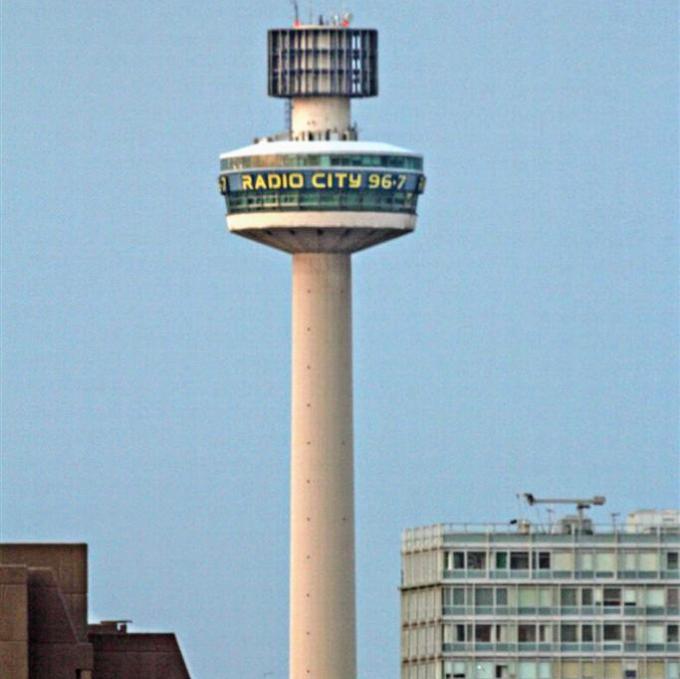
(291, 147)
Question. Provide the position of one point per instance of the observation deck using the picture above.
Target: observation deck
(321, 196)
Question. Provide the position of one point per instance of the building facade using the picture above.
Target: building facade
(44, 630)
(566, 601)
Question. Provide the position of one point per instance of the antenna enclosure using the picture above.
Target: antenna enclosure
(323, 61)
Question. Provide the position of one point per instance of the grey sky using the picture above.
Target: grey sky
(525, 338)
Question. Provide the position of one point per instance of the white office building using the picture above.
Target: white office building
(570, 600)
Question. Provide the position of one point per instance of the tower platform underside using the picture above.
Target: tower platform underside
(317, 231)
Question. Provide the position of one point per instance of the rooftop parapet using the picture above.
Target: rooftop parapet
(438, 535)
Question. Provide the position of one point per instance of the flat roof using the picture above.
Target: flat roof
(266, 148)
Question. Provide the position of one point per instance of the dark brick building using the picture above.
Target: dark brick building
(43, 623)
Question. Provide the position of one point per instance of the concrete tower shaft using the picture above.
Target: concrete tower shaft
(315, 117)
(322, 590)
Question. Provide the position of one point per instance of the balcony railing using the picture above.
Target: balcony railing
(563, 611)
(482, 574)
(426, 537)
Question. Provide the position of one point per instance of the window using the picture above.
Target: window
(526, 670)
(454, 670)
(528, 597)
(655, 634)
(483, 633)
(568, 596)
(477, 561)
(502, 633)
(454, 596)
(526, 633)
(672, 634)
(569, 633)
(483, 670)
(586, 562)
(484, 596)
(519, 561)
(501, 561)
(460, 632)
(612, 596)
(563, 561)
(544, 670)
(309, 160)
(501, 596)
(540, 561)
(672, 597)
(649, 561)
(586, 633)
(654, 597)
(673, 669)
(587, 596)
(629, 634)
(628, 560)
(458, 560)
(629, 597)
(672, 561)
(612, 633)
(605, 562)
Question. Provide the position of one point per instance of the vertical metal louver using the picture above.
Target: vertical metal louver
(323, 62)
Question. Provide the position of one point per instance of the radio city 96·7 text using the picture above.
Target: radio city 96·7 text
(352, 181)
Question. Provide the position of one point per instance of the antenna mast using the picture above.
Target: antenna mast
(296, 13)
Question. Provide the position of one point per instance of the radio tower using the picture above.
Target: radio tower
(319, 194)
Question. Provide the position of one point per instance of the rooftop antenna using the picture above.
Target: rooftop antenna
(581, 504)
(296, 13)
(520, 507)
(550, 511)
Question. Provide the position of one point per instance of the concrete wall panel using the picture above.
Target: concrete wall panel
(13, 622)
(68, 562)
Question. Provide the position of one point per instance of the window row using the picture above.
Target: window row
(322, 160)
(377, 200)
(561, 560)
(585, 668)
(591, 668)
(529, 596)
(429, 603)
(654, 633)
(478, 560)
